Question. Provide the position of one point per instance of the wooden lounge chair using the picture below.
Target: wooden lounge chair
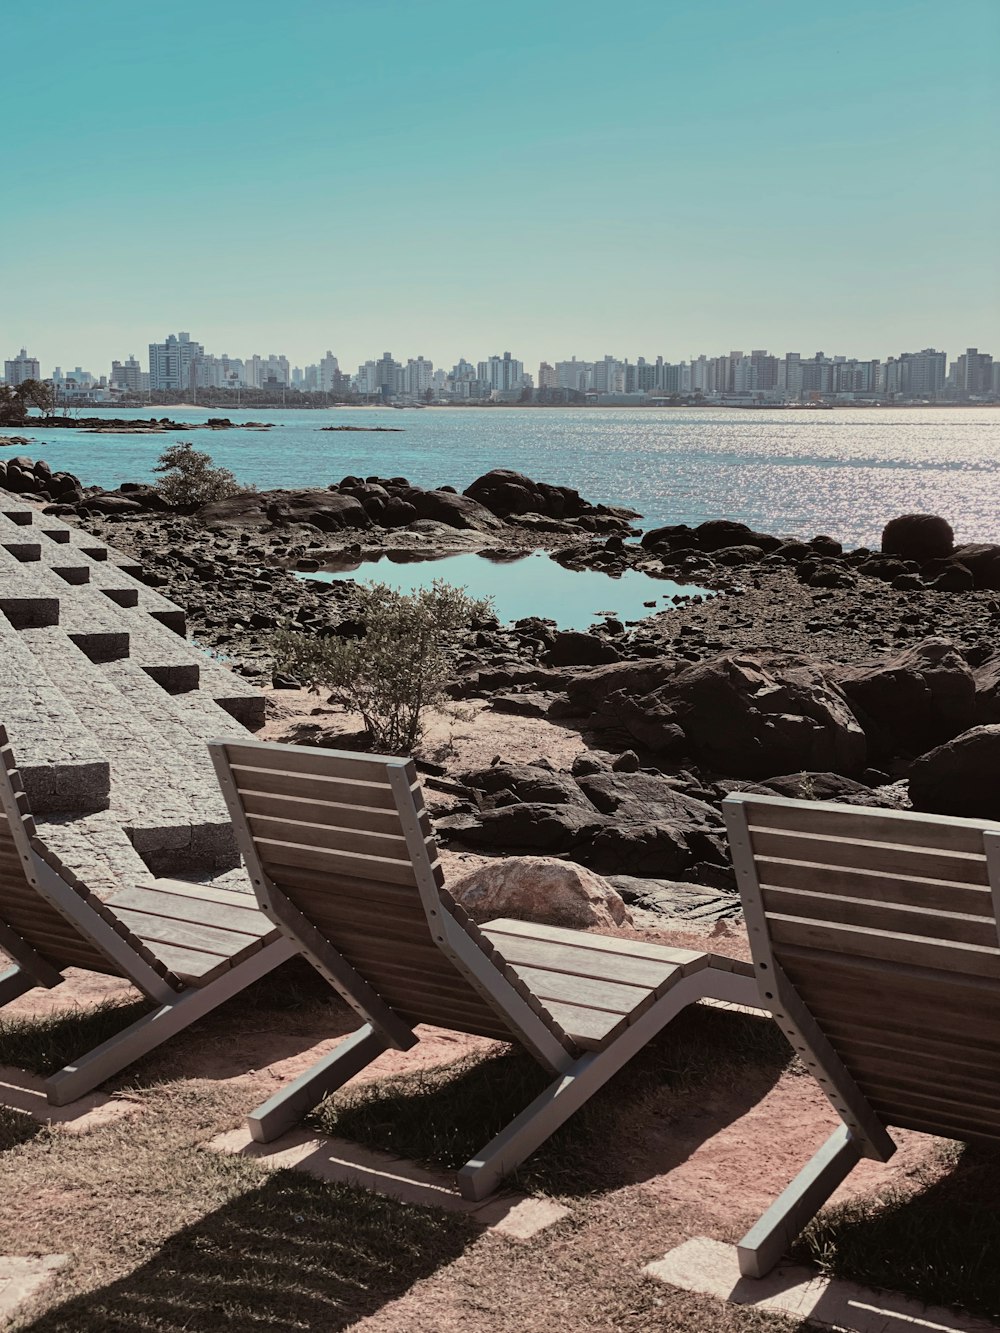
(342, 858)
(874, 938)
(187, 947)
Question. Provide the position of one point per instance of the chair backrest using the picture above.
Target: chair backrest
(26, 909)
(328, 829)
(885, 925)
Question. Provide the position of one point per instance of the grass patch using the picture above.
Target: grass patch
(290, 1254)
(44, 1045)
(940, 1244)
(16, 1128)
(442, 1116)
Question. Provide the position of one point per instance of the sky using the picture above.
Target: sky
(447, 179)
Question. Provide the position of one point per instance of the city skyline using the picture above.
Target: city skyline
(181, 365)
(423, 176)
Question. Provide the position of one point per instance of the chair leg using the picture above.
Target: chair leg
(766, 1241)
(14, 982)
(151, 1031)
(527, 1131)
(286, 1108)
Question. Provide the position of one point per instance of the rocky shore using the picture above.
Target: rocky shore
(871, 677)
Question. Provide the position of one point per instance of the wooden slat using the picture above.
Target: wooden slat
(192, 966)
(938, 894)
(686, 959)
(245, 919)
(589, 992)
(881, 944)
(559, 957)
(970, 1054)
(901, 828)
(967, 1132)
(321, 812)
(336, 887)
(910, 862)
(305, 759)
(930, 1078)
(379, 913)
(277, 853)
(312, 787)
(329, 837)
(591, 1029)
(945, 1111)
(202, 892)
(883, 916)
(157, 930)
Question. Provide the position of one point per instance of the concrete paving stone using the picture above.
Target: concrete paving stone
(24, 1092)
(518, 1216)
(712, 1269)
(22, 1276)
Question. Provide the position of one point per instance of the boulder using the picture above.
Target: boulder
(526, 827)
(746, 715)
(914, 699)
(987, 681)
(644, 798)
(528, 782)
(961, 777)
(826, 787)
(982, 559)
(918, 537)
(577, 648)
(540, 888)
(454, 511)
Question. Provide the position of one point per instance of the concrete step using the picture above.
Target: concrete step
(96, 848)
(61, 764)
(160, 796)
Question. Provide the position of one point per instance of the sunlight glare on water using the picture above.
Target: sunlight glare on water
(844, 472)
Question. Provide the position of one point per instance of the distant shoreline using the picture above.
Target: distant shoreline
(154, 409)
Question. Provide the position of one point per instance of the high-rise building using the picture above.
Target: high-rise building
(171, 363)
(547, 378)
(974, 374)
(129, 376)
(574, 374)
(501, 374)
(329, 373)
(20, 368)
(417, 376)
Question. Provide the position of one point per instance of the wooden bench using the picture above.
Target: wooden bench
(342, 858)
(874, 938)
(187, 947)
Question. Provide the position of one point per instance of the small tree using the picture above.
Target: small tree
(190, 479)
(15, 400)
(399, 668)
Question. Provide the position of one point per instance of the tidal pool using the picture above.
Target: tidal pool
(531, 585)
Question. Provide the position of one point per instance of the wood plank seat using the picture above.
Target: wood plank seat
(342, 858)
(187, 947)
(875, 940)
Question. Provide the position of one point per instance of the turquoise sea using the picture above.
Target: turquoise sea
(843, 472)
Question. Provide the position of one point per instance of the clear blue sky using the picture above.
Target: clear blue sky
(666, 176)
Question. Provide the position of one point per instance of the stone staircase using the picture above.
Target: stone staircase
(108, 707)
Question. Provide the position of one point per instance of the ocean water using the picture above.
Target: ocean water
(533, 585)
(844, 472)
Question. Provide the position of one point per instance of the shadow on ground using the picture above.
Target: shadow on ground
(706, 1070)
(293, 1253)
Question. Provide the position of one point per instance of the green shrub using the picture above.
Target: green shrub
(398, 669)
(190, 479)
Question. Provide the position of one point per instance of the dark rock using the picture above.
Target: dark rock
(576, 648)
(918, 537)
(529, 782)
(455, 511)
(983, 560)
(526, 827)
(987, 681)
(644, 798)
(826, 787)
(749, 715)
(521, 705)
(961, 777)
(956, 578)
(676, 900)
(627, 762)
(914, 699)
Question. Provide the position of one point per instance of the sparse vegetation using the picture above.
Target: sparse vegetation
(397, 669)
(15, 400)
(190, 478)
